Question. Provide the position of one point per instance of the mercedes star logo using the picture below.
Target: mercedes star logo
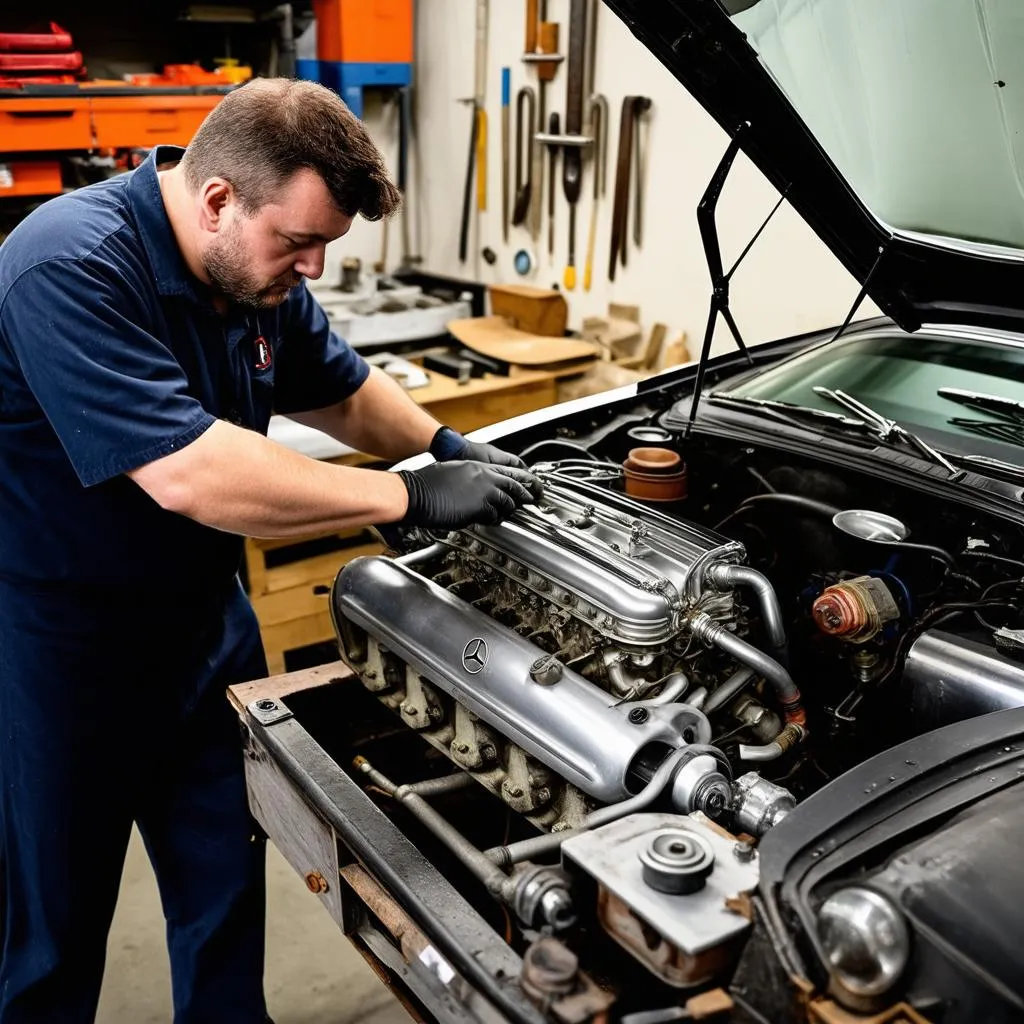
(474, 657)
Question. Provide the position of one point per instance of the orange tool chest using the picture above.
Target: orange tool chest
(30, 178)
(39, 125)
(364, 31)
(144, 121)
(81, 119)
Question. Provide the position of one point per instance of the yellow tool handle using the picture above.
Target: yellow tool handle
(569, 278)
(481, 159)
(588, 266)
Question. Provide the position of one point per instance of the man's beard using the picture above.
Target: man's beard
(225, 262)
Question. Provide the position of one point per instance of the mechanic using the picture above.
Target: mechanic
(149, 324)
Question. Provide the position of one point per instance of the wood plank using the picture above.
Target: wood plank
(278, 687)
(256, 567)
(288, 605)
(272, 543)
(490, 409)
(318, 569)
(305, 840)
(286, 636)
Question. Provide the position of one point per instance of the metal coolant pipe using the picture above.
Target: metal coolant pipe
(727, 577)
(554, 905)
(540, 846)
(705, 628)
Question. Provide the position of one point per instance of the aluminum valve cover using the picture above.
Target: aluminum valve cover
(624, 568)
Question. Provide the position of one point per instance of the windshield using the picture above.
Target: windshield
(918, 103)
(899, 377)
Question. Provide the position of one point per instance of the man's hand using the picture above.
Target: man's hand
(449, 445)
(451, 495)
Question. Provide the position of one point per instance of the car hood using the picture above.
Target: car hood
(896, 130)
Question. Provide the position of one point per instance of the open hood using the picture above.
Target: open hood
(895, 128)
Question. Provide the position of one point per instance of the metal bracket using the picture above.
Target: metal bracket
(267, 711)
(576, 141)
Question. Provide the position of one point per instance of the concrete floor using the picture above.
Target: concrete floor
(314, 975)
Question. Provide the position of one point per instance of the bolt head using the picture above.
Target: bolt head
(744, 852)
(639, 715)
(266, 705)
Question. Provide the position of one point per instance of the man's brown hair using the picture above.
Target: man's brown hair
(258, 136)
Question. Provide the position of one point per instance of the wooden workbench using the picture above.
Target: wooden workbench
(291, 599)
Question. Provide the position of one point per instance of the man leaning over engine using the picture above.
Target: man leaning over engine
(148, 327)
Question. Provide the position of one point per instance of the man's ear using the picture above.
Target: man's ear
(215, 196)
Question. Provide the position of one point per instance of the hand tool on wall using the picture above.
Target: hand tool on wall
(572, 157)
(598, 118)
(477, 135)
(554, 124)
(506, 90)
(525, 109)
(404, 129)
(542, 50)
(632, 108)
(467, 191)
(479, 95)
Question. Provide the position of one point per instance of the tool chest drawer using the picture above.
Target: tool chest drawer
(32, 125)
(29, 178)
(129, 121)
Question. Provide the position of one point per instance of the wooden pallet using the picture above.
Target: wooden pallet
(291, 598)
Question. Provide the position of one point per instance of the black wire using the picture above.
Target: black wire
(998, 559)
(561, 442)
(762, 480)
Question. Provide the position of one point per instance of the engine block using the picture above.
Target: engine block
(548, 655)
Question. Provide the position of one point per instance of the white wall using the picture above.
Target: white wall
(788, 284)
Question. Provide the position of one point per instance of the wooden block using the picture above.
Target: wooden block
(534, 310)
(621, 311)
(654, 343)
(287, 636)
(618, 338)
(676, 353)
(256, 567)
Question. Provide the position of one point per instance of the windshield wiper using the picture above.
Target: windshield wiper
(1006, 415)
(1008, 408)
(994, 466)
(885, 428)
(785, 411)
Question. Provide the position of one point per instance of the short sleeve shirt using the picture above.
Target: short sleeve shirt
(111, 356)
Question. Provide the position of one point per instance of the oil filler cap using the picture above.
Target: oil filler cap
(677, 861)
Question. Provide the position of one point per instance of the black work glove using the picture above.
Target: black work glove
(451, 495)
(449, 445)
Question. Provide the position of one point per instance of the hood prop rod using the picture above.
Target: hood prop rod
(720, 278)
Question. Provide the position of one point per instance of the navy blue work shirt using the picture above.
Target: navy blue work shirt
(111, 356)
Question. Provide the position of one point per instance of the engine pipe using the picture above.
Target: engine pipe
(554, 906)
(791, 735)
(545, 845)
(714, 634)
(726, 577)
(729, 689)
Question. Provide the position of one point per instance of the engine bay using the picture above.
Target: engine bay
(649, 669)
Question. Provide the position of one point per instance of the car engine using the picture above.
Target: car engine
(563, 655)
(620, 675)
(570, 660)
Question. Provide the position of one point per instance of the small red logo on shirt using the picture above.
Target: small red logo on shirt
(264, 353)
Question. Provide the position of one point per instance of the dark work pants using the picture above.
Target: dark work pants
(113, 711)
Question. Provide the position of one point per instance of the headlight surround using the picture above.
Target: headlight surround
(865, 940)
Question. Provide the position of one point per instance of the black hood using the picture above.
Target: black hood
(914, 279)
